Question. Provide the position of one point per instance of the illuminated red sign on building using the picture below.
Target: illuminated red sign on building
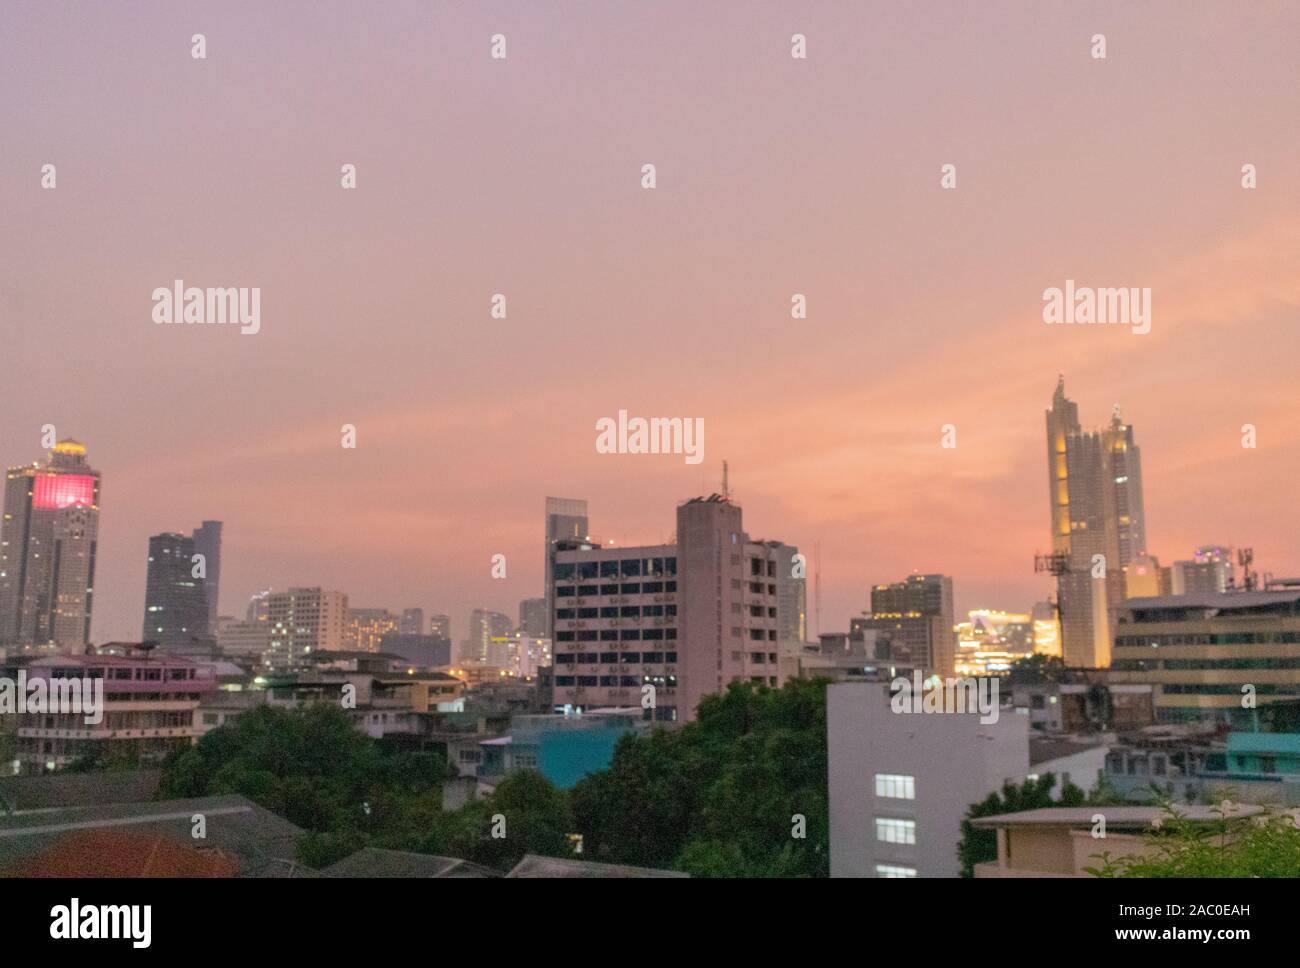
(63, 490)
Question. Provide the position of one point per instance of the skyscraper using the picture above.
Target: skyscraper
(366, 628)
(440, 625)
(258, 605)
(1210, 570)
(48, 541)
(532, 617)
(565, 519)
(412, 622)
(175, 602)
(489, 636)
(207, 542)
(1098, 524)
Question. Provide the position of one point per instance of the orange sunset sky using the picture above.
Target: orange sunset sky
(522, 176)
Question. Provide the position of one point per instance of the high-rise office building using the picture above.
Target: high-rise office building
(412, 622)
(249, 639)
(175, 602)
(913, 623)
(566, 519)
(48, 541)
(687, 618)
(489, 637)
(440, 625)
(243, 640)
(425, 651)
(304, 621)
(207, 542)
(730, 595)
(532, 617)
(1209, 570)
(257, 606)
(368, 626)
(1098, 525)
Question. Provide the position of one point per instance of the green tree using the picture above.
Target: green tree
(638, 810)
(1231, 845)
(978, 845)
(525, 814)
(312, 767)
(739, 792)
(8, 742)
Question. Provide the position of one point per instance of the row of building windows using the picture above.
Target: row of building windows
(1205, 689)
(615, 658)
(615, 635)
(1149, 665)
(128, 674)
(1220, 638)
(633, 588)
(612, 682)
(132, 719)
(615, 568)
(894, 870)
(617, 611)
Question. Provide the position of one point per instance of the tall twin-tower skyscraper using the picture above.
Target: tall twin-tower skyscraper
(1098, 524)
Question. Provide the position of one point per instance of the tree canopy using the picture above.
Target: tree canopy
(1266, 845)
(978, 846)
(739, 792)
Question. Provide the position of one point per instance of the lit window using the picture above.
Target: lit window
(893, 870)
(891, 831)
(896, 786)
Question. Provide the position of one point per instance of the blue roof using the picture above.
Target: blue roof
(1264, 743)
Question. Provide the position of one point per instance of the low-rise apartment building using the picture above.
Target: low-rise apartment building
(149, 710)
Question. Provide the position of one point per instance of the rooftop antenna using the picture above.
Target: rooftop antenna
(726, 487)
(1245, 558)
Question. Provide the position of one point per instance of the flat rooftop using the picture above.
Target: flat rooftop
(1115, 816)
(376, 862)
(534, 865)
(1213, 600)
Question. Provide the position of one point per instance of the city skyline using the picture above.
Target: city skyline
(434, 601)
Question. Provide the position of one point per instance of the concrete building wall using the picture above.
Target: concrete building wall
(953, 760)
(1040, 849)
